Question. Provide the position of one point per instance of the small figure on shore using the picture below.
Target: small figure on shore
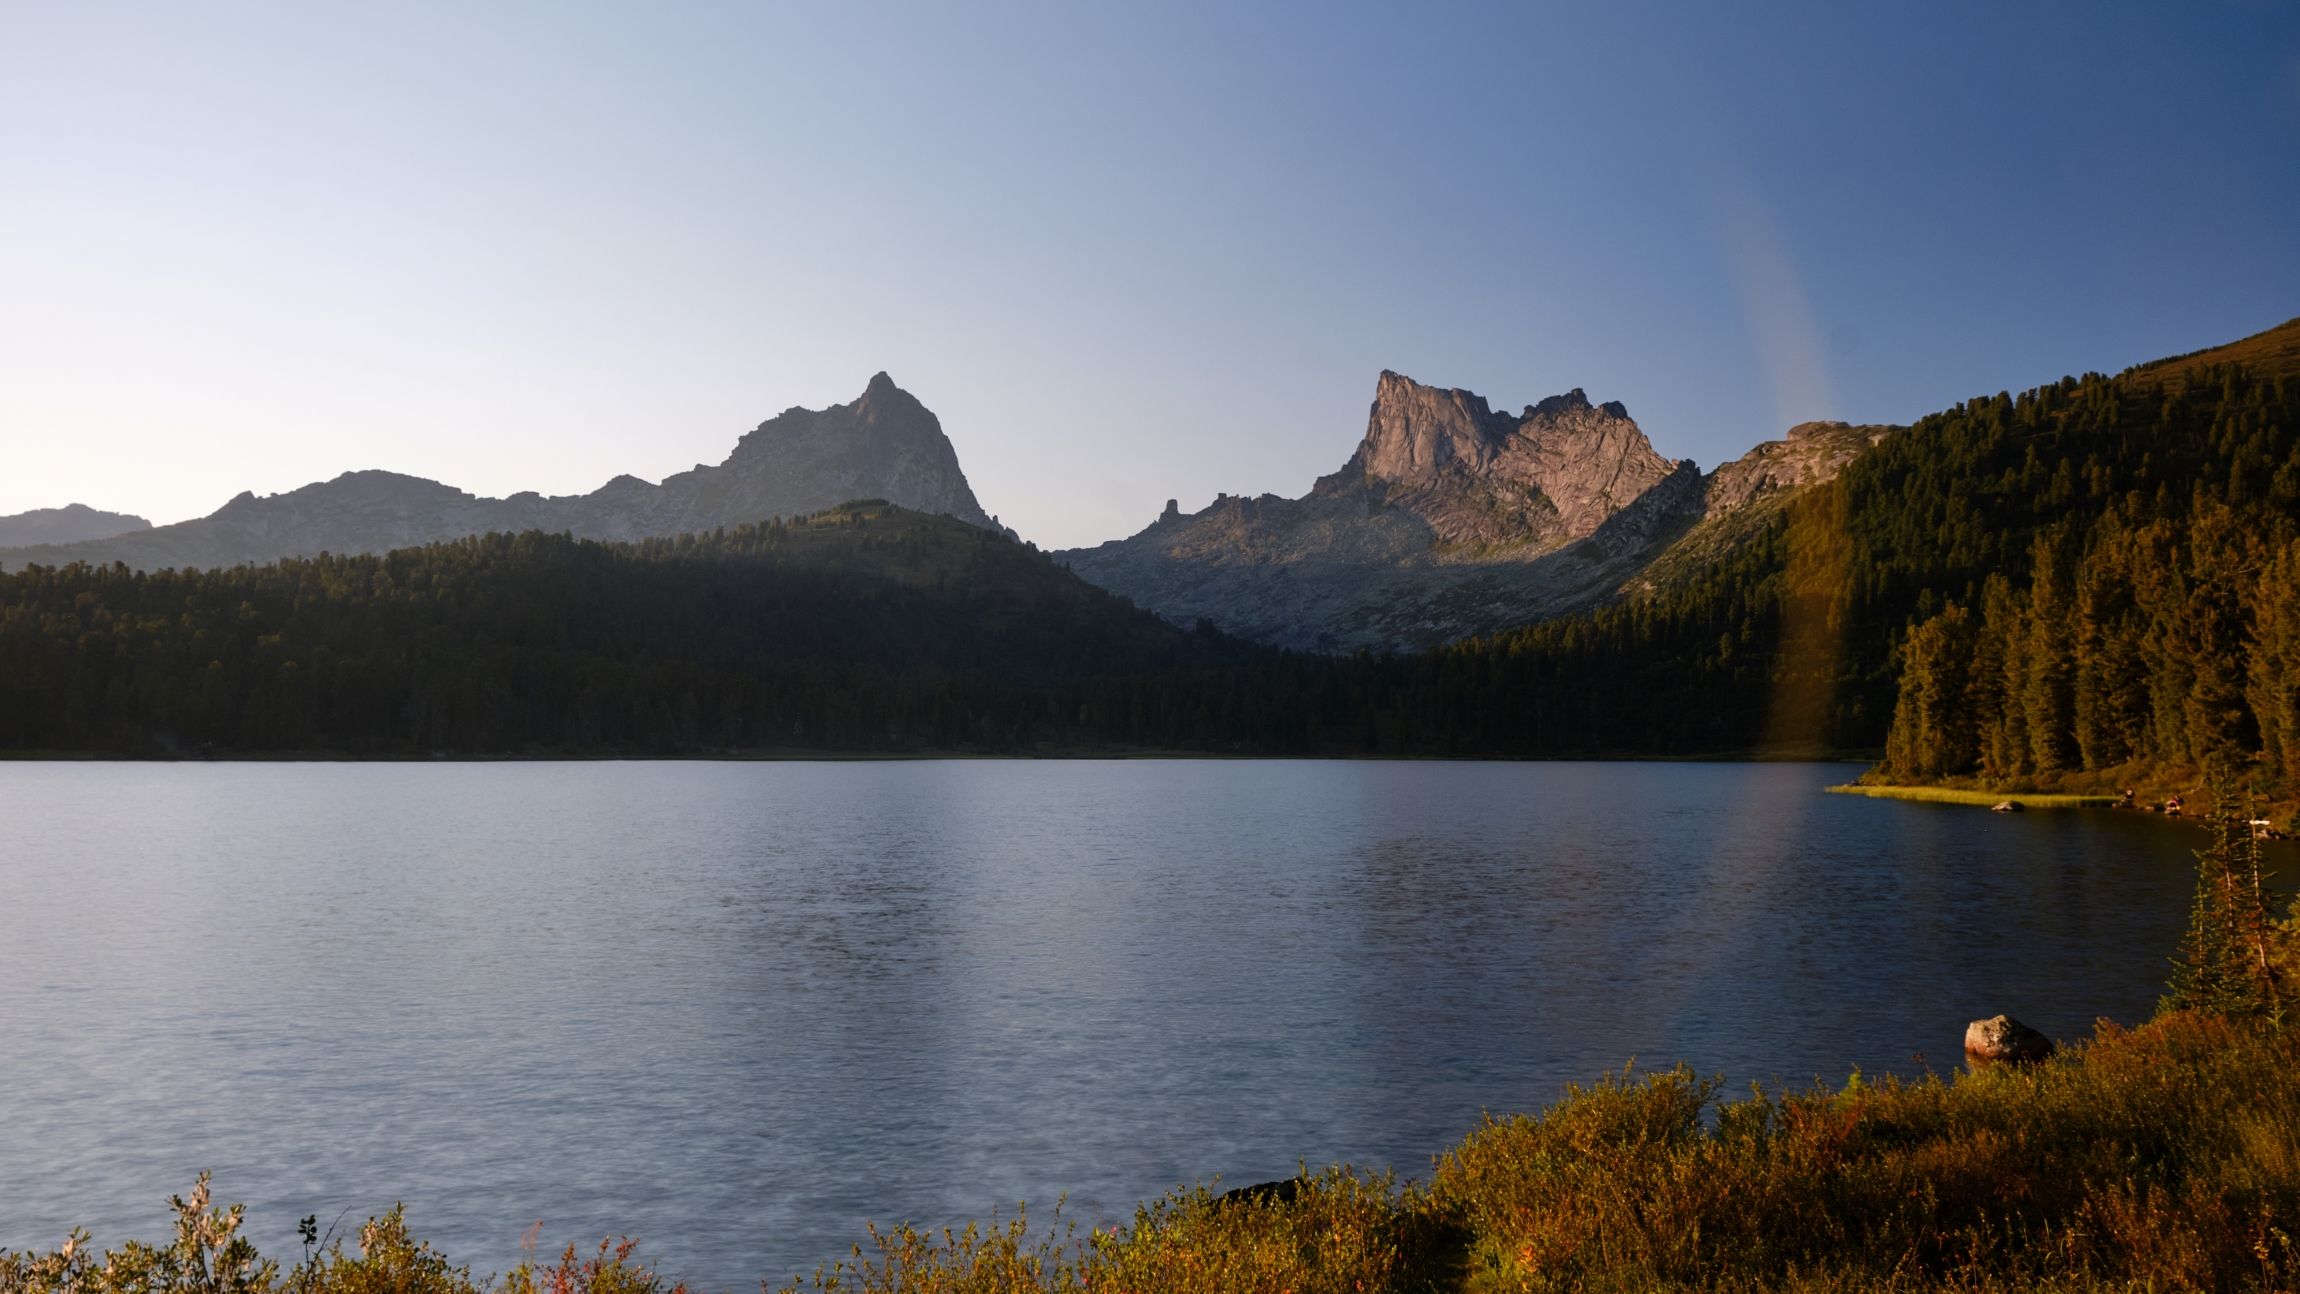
(2125, 800)
(2172, 807)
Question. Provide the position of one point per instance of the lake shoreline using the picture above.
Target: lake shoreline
(2149, 798)
(1633, 1162)
(1985, 799)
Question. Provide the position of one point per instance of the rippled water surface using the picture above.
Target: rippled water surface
(737, 1009)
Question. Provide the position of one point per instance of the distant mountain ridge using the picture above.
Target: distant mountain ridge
(2094, 583)
(72, 523)
(1451, 519)
(885, 444)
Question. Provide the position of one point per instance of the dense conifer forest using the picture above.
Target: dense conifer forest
(862, 628)
(2098, 575)
(2152, 626)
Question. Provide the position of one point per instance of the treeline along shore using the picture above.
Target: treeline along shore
(2094, 582)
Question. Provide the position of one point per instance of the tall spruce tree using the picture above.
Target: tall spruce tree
(2229, 963)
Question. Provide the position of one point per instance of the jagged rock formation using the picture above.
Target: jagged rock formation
(1492, 481)
(883, 445)
(1451, 519)
(69, 524)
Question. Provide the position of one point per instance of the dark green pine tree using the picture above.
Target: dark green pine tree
(1932, 732)
(2228, 964)
(2048, 692)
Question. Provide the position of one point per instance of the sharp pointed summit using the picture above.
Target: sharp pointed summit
(1449, 518)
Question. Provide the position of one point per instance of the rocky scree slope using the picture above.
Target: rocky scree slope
(884, 445)
(1449, 520)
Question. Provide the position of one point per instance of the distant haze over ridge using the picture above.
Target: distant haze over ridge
(1448, 519)
(883, 444)
(69, 524)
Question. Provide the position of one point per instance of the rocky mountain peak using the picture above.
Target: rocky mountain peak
(1449, 518)
(1550, 474)
(884, 444)
(1573, 401)
(1453, 519)
(1414, 430)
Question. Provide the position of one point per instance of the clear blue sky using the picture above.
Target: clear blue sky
(1127, 253)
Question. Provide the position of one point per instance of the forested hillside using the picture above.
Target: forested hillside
(2159, 630)
(2100, 572)
(866, 627)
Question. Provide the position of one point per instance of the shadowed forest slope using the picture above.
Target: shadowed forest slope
(862, 628)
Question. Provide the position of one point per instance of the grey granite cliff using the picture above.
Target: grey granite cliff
(1450, 520)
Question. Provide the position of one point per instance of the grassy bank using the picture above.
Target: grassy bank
(2151, 785)
(1953, 795)
(2161, 1157)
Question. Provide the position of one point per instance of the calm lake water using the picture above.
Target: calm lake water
(737, 1009)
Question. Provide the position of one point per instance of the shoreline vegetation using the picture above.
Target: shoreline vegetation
(2281, 815)
(2162, 1156)
(2166, 1156)
(1986, 799)
(2256, 797)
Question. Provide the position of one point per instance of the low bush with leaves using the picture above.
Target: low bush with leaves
(210, 1256)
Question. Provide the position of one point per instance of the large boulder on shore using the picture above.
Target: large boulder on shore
(2002, 1039)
